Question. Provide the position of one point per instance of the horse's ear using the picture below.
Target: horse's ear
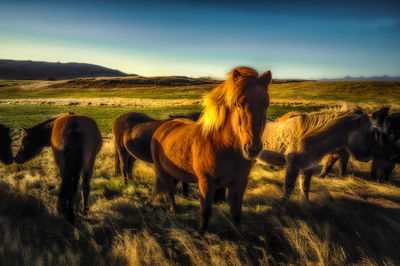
(381, 114)
(25, 130)
(236, 74)
(266, 78)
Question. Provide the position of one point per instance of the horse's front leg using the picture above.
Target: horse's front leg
(207, 192)
(292, 171)
(305, 183)
(235, 197)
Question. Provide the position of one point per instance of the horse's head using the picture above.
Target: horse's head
(32, 143)
(6, 155)
(250, 111)
(360, 141)
(378, 118)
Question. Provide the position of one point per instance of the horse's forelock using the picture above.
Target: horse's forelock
(224, 97)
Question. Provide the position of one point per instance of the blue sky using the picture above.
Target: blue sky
(306, 39)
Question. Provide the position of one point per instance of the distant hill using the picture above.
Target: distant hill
(377, 78)
(15, 69)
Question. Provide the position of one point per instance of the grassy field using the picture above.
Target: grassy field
(354, 91)
(351, 220)
(348, 221)
(18, 116)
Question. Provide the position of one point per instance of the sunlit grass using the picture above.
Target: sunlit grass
(348, 221)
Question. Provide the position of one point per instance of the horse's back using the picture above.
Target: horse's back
(129, 120)
(288, 116)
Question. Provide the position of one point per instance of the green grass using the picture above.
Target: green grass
(354, 91)
(18, 116)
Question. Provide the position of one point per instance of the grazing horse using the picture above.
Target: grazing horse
(75, 141)
(6, 155)
(132, 140)
(303, 140)
(385, 152)
(219, 149)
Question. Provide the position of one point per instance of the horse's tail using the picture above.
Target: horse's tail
(71, 160)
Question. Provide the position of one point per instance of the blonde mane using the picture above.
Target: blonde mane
(220, 100)
(315, 123)
(289, 135)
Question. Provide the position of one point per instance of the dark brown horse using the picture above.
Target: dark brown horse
(6, 155)
(385, 149)
(219, 149)
(132, 139)
(75, 141)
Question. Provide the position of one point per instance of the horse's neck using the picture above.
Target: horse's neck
(333, 138)
(225, 137)
(47, 129)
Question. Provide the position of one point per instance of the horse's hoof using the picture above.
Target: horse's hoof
(85, 211)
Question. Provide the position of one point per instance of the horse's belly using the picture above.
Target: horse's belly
(273, 158)
(179, 172)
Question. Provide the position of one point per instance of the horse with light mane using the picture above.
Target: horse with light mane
(6, 155)
(75, 141)
(219, 149)
(301, 141)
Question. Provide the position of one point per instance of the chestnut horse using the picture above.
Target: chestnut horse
(219, 149)
(6, 155)
(75, 141)
(303, 140)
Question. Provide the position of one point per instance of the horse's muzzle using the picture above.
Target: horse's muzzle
(252, 152)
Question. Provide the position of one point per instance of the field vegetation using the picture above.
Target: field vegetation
(351, 220)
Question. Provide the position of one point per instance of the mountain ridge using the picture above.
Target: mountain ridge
(37, 70)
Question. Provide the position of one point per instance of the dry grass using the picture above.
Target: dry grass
(348, 221)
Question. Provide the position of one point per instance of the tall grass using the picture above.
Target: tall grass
(348, 221)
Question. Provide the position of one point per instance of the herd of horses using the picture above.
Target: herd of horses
(215, 148)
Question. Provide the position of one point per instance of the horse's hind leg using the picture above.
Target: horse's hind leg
(388, 170)
(164, 183)
(86, 177)
(131, 163)
(70, 174)
(125, 158)
(305, 183)
(185, 189)
(117, 162)
(343, 160)
(330, 162)
(207, 192)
